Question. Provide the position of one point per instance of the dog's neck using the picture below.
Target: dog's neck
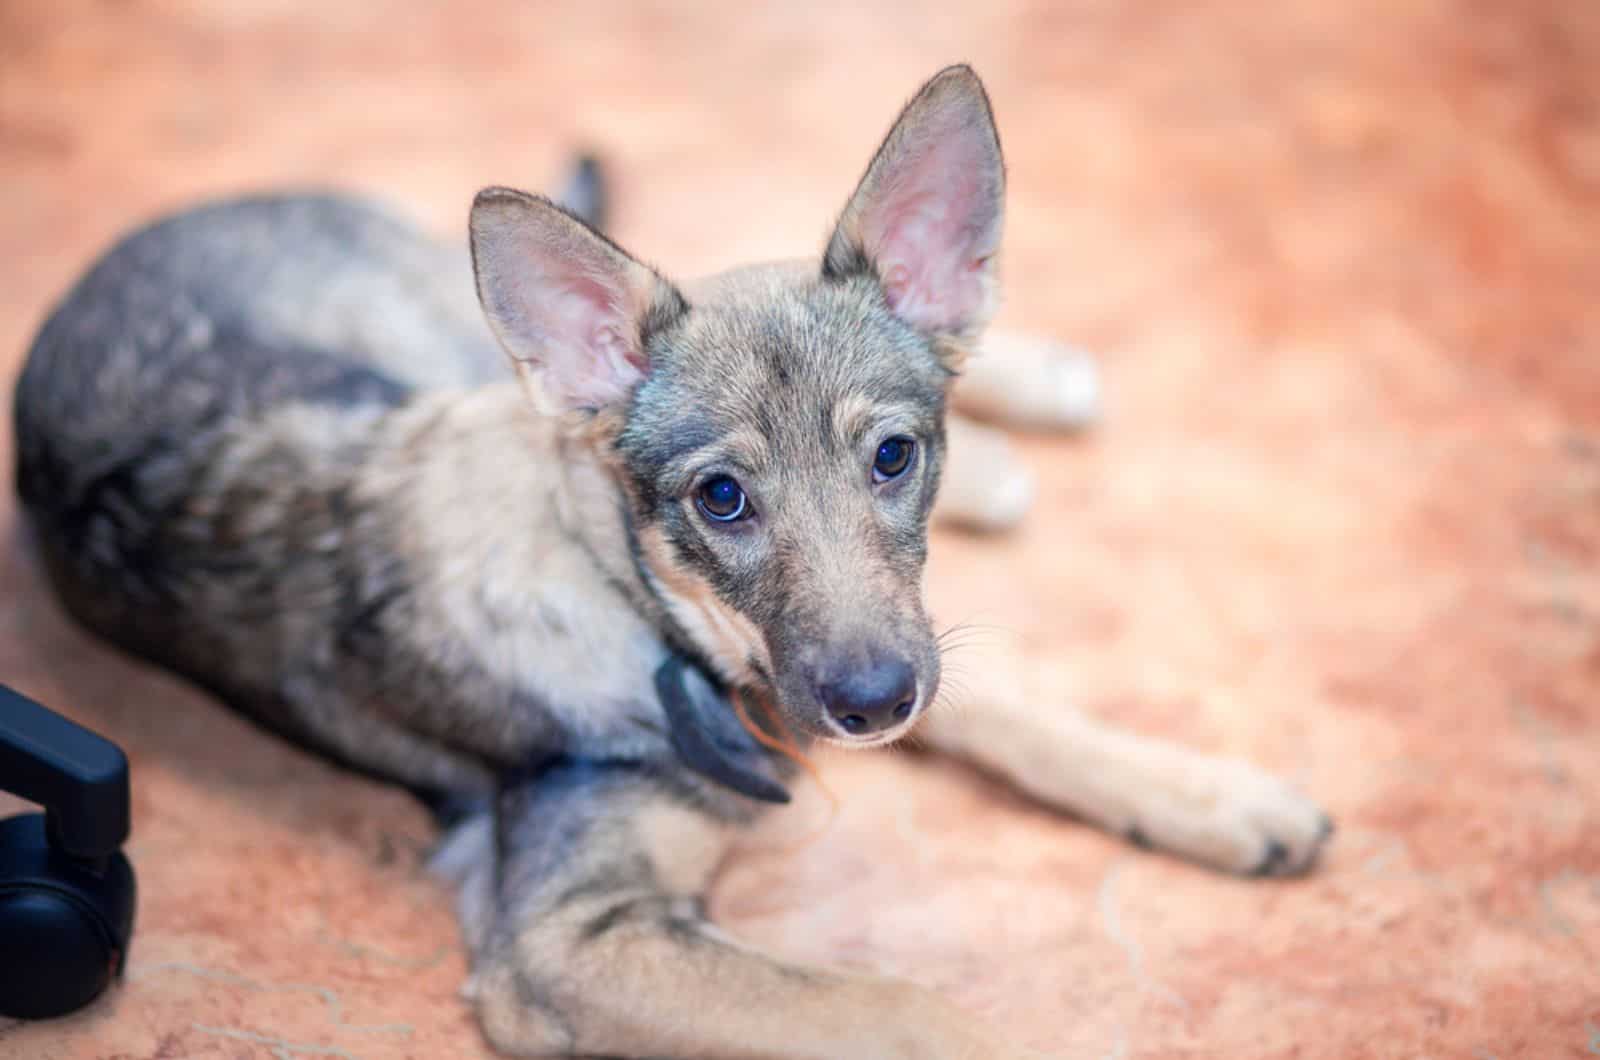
(502, 476)
(527, 524)
(514, 478)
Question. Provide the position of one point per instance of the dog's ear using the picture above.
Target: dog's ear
(926, 218)
(567, 304)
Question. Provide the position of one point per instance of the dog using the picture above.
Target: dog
(270, 444)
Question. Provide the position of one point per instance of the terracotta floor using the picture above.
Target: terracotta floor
(1342, 260)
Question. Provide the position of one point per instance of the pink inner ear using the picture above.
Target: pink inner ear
(591, 357)
(930, 231)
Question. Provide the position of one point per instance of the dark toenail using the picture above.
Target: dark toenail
(1277, 856)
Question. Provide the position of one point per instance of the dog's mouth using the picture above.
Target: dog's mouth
(870, 743)
(870, 705)
(881, 726)
(791, 705)
(715, 732)
(837, 735)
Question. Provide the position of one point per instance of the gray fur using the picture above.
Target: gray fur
(271, 444)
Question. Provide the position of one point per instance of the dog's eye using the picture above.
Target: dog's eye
(894, 456)
(722, 499)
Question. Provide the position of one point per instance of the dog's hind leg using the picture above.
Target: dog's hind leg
(1017, 380)
(599, 945)
(986, 487)
(1221, 812)
(1013, 381)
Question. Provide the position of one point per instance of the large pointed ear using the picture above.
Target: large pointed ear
(926, 218)
(570, 307)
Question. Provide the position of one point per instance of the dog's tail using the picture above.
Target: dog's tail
(586, 193)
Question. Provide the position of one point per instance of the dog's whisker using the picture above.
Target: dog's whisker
(525, 594)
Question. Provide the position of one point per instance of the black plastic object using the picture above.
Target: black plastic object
(707, 737)
(66, 890)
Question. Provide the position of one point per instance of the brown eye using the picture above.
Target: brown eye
(722, 499)
(894, 456)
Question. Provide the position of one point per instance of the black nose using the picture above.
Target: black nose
(871, 698)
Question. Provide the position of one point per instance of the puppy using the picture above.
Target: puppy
(271, 444)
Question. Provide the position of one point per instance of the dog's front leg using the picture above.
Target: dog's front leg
(1218, 811)
(590, 940)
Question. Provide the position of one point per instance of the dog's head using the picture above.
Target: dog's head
(780, 434)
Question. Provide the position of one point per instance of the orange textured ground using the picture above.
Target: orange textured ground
(1342, 260)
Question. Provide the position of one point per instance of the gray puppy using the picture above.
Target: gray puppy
(266, 444)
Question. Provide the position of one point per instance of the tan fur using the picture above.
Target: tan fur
(1217, 811)
(484, 592)
(663, 982)
(668, 982)
(730, 640)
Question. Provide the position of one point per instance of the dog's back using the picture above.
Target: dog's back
(223, 312)
(184, 334)
(216, 315)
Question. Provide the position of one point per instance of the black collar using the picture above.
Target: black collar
(705, 733)
(707, 736)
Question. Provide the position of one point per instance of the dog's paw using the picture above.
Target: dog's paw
(1034, 382)
(986, 487)
(996, 505)
(1233, 816)
(1075, 390)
